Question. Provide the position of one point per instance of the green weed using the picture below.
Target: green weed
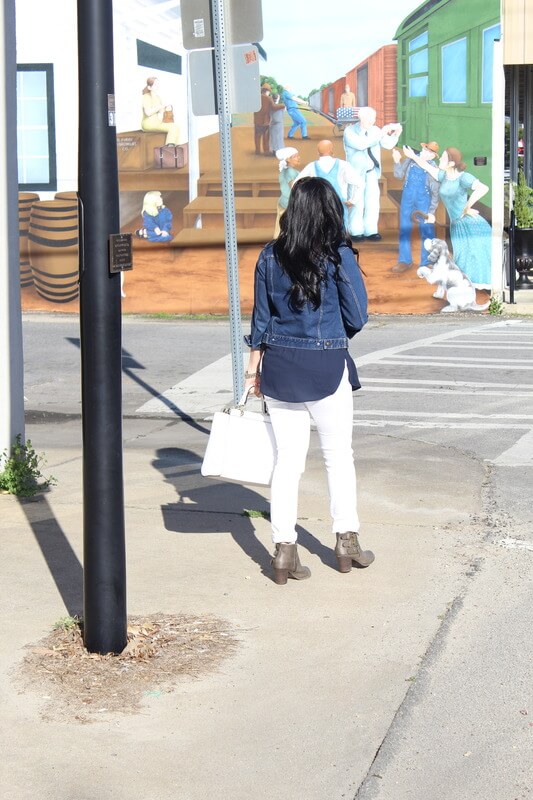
(20, 470)
(254, 512)
(495, 306)
(67, 623)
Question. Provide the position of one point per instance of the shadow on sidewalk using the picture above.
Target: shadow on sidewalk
(221, 506)
(60, 558)
(130, 363)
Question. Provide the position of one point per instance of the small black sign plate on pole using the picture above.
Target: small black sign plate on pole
(120, 252)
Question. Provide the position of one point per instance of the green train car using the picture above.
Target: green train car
(445, 61)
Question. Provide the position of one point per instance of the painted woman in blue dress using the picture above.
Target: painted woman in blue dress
(470, 233)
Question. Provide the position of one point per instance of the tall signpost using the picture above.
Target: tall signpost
(228, 194)
(105, 621)
(11, 360)
(225, 80)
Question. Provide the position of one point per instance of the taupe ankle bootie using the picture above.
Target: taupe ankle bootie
(287, 562)
(348, 549)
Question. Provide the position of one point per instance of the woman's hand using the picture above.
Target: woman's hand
(470, 212)
(252, 376)
(254, 385)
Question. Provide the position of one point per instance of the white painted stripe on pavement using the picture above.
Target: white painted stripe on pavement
(467, 358)
(485, 346)
(439, 364)
(474, 384)
(205, 391)
(511, 323)
(459, 392)
(519, 455)
(478, 426)
(525, 330)
(442, 415)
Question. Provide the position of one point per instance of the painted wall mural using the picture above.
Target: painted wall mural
(397, 116)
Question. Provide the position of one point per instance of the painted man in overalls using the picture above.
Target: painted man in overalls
(420, 194)
(343, 177)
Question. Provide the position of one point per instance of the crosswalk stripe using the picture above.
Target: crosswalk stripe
(207, 390)
(374, 423)
(466, 358)
(483, 346)
(441, 415)
(458, 392)
(468, 365)
(472, 384)
(520, 454)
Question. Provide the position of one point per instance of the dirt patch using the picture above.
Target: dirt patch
(162, 650)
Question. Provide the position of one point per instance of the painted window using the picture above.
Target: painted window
(418, 65)
(419, 41)
(331, 101)
(35, 127)
(362, 86)
(418, 62)
(418, 87)
(454, 72)
(489, 37)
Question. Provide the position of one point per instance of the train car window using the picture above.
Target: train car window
(454, 72)
(418, 65)
(418, 41)
(489, 37)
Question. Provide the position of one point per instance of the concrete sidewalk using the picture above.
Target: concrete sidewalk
(323, 667)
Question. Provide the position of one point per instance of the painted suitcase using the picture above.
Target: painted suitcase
(171, 156)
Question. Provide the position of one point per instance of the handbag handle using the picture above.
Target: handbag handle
(245, 397)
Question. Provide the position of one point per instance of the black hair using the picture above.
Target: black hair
(311, 232)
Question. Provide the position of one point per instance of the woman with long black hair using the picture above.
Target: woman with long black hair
(309, 300)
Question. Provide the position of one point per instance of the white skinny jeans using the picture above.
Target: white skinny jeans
(291, 423)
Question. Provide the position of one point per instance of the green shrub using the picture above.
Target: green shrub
(20, 470)
(523, 203)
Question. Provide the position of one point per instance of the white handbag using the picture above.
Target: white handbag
(241, 446)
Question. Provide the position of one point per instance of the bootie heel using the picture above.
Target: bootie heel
(348, 550)
(280, 576)
(345, 563)
(287, 562)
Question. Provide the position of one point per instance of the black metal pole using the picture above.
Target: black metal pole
(511, 256)
(527, 120)
(514, 121)
(104, 587)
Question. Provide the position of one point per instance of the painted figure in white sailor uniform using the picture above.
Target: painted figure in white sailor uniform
(362, 143)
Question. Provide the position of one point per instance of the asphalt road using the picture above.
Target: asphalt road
(466, 381)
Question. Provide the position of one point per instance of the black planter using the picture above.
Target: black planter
(523, 257)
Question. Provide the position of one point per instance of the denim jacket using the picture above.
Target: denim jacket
(341, 314)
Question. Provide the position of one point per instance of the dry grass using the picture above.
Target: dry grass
(162, 650)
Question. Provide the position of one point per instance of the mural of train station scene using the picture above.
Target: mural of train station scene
(396, 115)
